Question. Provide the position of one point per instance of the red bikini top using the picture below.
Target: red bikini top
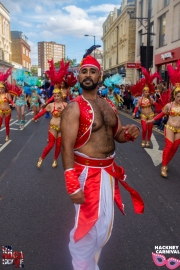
(86, 120)
(56, 113)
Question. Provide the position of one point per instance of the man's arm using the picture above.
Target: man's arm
(126, 133)
(69, 131)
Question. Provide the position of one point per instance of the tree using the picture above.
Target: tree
(34, 70)
(73, 62)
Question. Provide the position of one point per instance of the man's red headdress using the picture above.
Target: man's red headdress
(70, 79)
(89, 61)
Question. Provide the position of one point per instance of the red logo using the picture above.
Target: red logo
(12, 257)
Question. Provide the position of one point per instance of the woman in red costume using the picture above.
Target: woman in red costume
(56, 108)
(145, 88)
(172, 128)
(5, 99)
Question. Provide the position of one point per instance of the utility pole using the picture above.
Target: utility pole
(148, 37)
(148, 19)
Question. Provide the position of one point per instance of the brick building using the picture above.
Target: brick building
(21, 49)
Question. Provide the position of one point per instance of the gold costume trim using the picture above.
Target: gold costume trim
(5, 111)
(175, 130)
(145, 106)
(55, 127)
(143, 116)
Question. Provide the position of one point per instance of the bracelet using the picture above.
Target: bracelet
(128, 137)
(72, 181)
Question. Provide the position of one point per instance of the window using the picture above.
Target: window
(24, 63)
(151, 8)
(176, 25)
(162, 30)
(23, 50)
(166, 3)
(151, 31)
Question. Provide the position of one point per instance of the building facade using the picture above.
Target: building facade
(48, 51)
(21, 51)
(119, 41)
(5, 37)
(165, 24)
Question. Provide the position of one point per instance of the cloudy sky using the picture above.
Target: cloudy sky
(63, 21)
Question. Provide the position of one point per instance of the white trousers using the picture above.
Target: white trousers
(85, 253)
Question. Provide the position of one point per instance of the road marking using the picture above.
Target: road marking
(14, 128)
(155, 153)
(4, 145)
(26, 124)
(10, 125)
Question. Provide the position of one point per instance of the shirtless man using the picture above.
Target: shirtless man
(89, 127)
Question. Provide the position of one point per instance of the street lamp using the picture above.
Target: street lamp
(94, 41)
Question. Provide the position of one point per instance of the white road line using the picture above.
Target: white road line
(14, 128)
(4, 145)
(10, 125)
(26, 124)
(155, 153)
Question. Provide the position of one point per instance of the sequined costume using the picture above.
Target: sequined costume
(99, 177)
(145, 85)
(172, 128)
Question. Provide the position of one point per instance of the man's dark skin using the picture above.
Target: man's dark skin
(101, 143)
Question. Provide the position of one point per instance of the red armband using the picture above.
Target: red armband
(159, 116)
(136, 110)
(72, 181)
(10, 101)
(41, 113)
(49, 100)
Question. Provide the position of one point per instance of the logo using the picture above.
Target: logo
(166, 55)
(160, 260)
(12, 257)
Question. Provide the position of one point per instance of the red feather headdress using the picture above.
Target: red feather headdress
(70, 79)
(145, 83)
(57, 77)
(4, 76)
(13, 89)
(174, 75)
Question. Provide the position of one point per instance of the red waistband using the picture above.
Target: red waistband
(93, 162)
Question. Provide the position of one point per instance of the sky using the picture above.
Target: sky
(62, 21)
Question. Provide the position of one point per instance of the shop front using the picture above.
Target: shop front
(163, 59)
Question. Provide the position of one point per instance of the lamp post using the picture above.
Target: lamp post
(94, 41)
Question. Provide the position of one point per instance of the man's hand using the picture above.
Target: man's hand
(133, 115)
(149, 121)
(78, 197)
(132, 130)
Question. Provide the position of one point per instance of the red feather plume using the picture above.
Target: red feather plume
(136, 90)
(4, 76)
(148, 79)
(71, 80)
(57, 77)
(13, 89)
(174, 74)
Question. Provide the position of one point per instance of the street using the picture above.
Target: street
(36, 214)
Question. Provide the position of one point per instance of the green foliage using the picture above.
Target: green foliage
(73, 62)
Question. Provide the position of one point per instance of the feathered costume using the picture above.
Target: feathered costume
(145, 84)
(6, 99)
(170, 146)
(56, 78)
(111, 82)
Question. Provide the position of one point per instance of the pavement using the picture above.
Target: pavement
(36, 214)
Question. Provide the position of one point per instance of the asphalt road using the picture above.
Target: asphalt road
(36, 214)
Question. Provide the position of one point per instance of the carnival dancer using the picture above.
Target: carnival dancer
(5, 99)
(69, 81)
(19, 76)
(145, 89)
(55, 108)
(172, 128)
(113, 94)
(89, 126)
(33, 94)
